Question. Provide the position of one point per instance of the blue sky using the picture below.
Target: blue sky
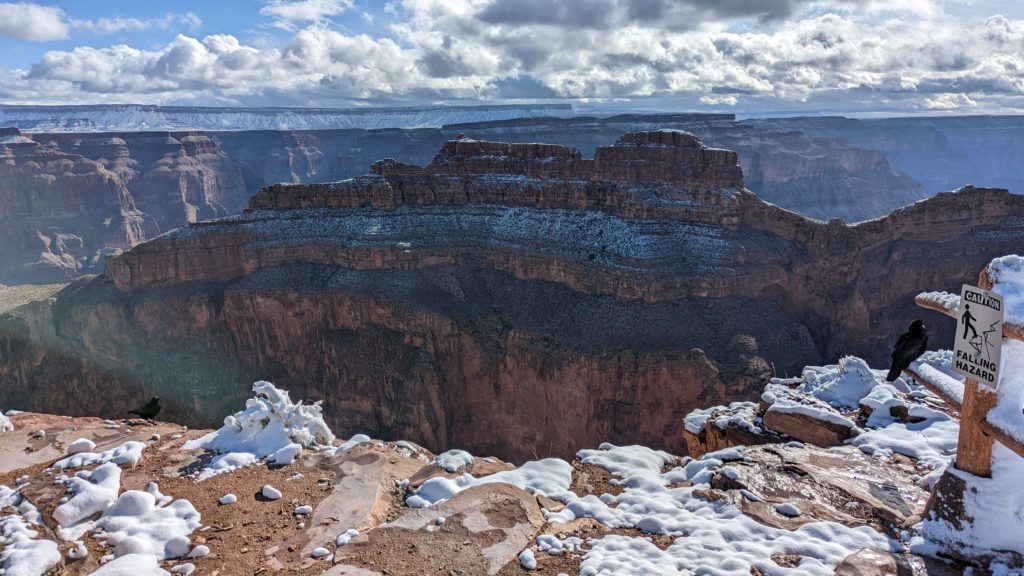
(845, 56)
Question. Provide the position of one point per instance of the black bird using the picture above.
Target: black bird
(149, 410)
(909, 347)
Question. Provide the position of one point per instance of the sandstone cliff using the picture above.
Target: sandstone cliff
(518, 288)
(71, 198)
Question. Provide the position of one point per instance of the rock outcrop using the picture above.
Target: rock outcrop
(515, 288)
(69, 199)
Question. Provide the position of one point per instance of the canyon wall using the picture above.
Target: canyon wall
(941, 152)
(69, 199)
(514, 299)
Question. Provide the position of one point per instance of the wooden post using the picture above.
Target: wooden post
(974, 447)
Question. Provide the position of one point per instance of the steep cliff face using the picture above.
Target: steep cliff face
(518, 288)
(940, 152)
(152, 182)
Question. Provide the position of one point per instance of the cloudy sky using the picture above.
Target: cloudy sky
(743, 56)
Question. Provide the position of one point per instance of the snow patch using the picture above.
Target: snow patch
(23, 554)
(136, 524)
(128, 453)
(93, 493)
(452, 460)
(270, 426)
(81, 445)
(550, 477)
(132, 565)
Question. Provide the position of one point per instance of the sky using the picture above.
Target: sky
(853, 57)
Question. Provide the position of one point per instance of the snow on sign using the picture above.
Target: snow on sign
(979, 335)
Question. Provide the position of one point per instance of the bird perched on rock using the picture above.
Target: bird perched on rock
(149, 410)
(909, 347)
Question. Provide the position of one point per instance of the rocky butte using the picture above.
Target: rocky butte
(510, 299)
(67, 200)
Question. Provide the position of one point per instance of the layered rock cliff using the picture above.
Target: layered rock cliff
(70, 198)
(519, 288)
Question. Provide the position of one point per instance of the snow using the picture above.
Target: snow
(229, 462)
(527, 560)
(228, 499)
(720, 538)
(1007, 276)
(550, 477)
(452, 460)
(736, 414)
(995, 504)
(81, 445)
(128, 453)
(352, 443)
(93, 493)
(788, 509)
(346, 536)
(555, 546)
(131, 565)
(199, 551)
(23, 554)
(5, 423)
(270, 426)
(136, 524)
(320, 552)
(843, 387)
(285, 455)
(270, 493)
(944, 300)
(1007, 415)
(144, 118)
(185, 569)
(936, 368)
(304, 510)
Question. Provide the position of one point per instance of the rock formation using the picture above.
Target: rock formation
(518, 288)
(71, 198)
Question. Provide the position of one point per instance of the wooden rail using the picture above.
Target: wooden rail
(977, 434)
(1015, 331)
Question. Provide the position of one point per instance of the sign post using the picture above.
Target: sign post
(976, 353)
(979, 335)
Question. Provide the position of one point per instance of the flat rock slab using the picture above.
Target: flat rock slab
(485, 528)
(868, 562)
(23, 448)
(361, 499)
(840, 484)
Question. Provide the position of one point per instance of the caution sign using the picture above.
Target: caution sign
(979, 335)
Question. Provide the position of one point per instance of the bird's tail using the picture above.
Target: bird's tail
(894, 373)
(135, 412)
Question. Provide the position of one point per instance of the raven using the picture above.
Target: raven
(149, 410)
(909, 347)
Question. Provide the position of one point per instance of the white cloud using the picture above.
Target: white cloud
(831, 54)
(287, 14)
(32, 22)
(950, 102)
(115, 24)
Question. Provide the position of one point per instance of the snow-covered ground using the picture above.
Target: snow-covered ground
(139, 118)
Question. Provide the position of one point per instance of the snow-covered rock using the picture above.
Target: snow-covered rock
(270, 426)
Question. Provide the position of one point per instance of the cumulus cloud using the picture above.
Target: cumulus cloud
(830, 54)
(37, 23)
(32, 22)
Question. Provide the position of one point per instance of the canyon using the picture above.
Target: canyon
(554, 298)
(67, 200)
